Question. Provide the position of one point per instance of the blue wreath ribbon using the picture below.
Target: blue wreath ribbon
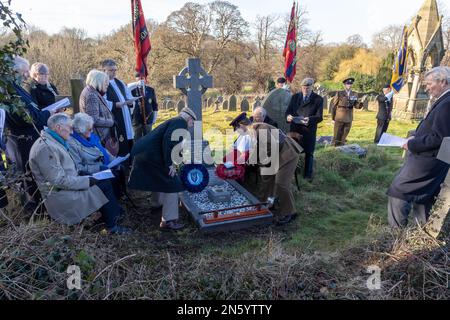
(195, 177)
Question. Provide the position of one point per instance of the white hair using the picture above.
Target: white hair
(97, 79)
(262, 110)
(439, 74)
(59, 118)
(38, 67)
(19, 63)
(82, 122)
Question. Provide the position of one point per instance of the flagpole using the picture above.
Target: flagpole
(144, 117)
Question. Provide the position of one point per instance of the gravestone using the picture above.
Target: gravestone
(225, 105)
(232, 104)
(210, 102)
(180, 105)
(276, 105)
(170, 105)
(245, 106)
(77, 86)
(257, 103)
(441, 209)
(325, 102)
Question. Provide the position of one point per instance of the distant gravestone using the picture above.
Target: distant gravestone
(330, 105)
(170, 105)
(210, 102)
(232, 104)
(325, 101)
(225, 105)
(245, 106)
(276, 105)
(180, 105)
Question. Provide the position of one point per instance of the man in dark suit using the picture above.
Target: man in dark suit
(384, 114)
(418, 182)
(304, 113)
(141, 127)
(259, 115)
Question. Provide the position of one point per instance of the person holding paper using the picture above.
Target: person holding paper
(418, 182)
(94, 104)
(154, 170)
(69, 197)
(384, 114)
(120, 101)
(141, 89)
(39, 86)
(22, 133)
(309, 106)
(89, 155)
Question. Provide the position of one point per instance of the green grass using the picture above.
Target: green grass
(346, 196)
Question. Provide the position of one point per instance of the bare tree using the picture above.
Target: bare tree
(356, 41)
(387, 40)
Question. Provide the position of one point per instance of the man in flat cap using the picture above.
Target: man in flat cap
(384, 114)
(154, 170)
(304, 113)
(342, 112)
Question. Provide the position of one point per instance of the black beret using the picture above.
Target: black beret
(242, 118)
(281, 80)
(349, 81)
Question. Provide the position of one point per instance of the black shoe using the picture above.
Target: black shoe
(170, 226)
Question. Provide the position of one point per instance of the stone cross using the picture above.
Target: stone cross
(193, 81)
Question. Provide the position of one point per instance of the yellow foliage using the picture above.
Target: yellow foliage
(364, 62)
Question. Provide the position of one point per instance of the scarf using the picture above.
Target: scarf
(57, 137)
(93, 142)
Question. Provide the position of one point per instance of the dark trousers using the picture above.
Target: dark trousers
(399, 210)
(341, 131)
(139, 131)
(309, 165)
(382, 127)
(111, 210)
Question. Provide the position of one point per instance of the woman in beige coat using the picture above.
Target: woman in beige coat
(68, 197)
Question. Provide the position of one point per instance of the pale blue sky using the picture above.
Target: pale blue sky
(337, 19)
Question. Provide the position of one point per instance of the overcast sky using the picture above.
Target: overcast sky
(337, 19)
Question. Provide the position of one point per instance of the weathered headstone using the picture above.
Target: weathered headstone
(232, 104)
(180, 105)
(225, 105)
(77, 86)
(441, 209)
(170, 105)
(210, 102)
(245, 106)
(276, 105)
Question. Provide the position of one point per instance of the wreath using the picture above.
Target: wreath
(195, 177)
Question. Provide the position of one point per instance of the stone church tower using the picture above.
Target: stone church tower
(425, 51)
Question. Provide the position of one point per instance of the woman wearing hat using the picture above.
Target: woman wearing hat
(153, 168)
(342, 112)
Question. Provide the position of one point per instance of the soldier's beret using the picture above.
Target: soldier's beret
(349, 81)
(281, 80)
(240, 119)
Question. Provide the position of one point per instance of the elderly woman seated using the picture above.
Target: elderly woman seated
(88, 153)
(43, 92)
(69, 197)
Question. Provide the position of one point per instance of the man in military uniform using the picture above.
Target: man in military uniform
(140, 127)
(342, 112)
(384, 114)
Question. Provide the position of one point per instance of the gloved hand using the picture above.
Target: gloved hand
(92, 181)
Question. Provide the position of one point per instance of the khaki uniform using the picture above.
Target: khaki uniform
(279, 185)
(342, 114)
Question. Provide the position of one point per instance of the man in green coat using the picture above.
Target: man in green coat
(153, 169)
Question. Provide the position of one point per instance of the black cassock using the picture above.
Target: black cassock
(152, 159)
(125, 145)
(420, 178)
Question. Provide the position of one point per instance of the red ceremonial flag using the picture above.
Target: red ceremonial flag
(141, 38)
(290, 48)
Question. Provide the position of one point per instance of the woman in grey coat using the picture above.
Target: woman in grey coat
(88, 153)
